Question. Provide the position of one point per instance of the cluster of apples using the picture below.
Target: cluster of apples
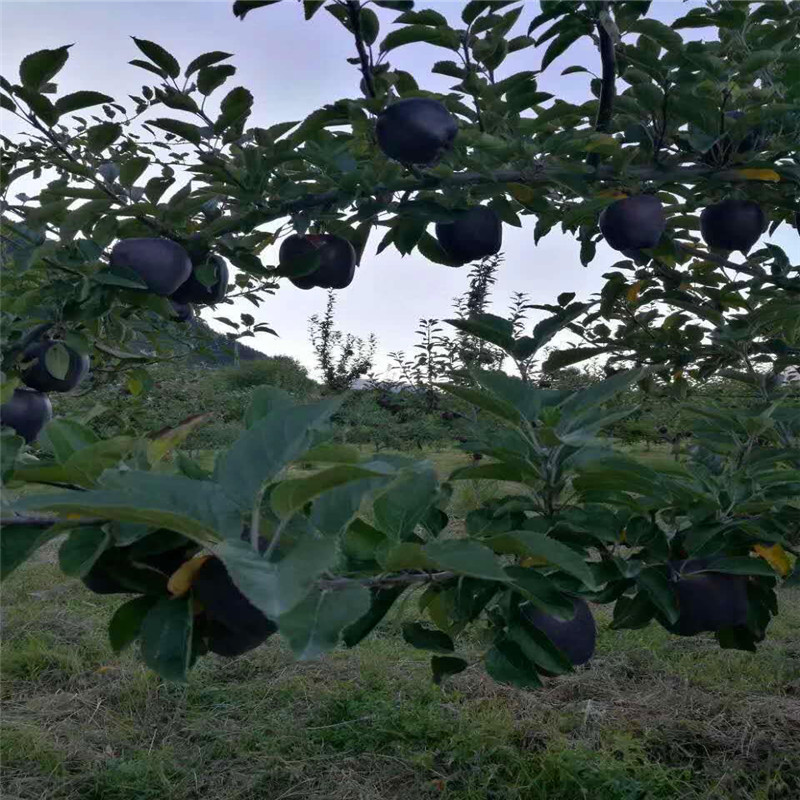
(636, 223)
(225, 621)
(167, 269)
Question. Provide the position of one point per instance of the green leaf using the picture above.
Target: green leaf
(633, 612)
(137, 62)
(402, 506)
(270, 444)
(541, 592)
(402, 556)
(381, 602)
(656, 584)
(64, 437)
(506, 663)
(467, 558)
(166, 636)
(487, 327)
(560, 44)
(313, 627)
(132, 169)
(198, 509)
(426, 638)
(234, 108)
(100, 136)
(441, 37)
(659, 32)
(264, 400)
(742, 565)
(126, 623)
(553, 551)
(81, 549)
(7, 103)
(756, 61)
(163, 442)
(186, 130)
(289, 496)
(276, 588)
(19, 542)
(56, 361)
(370, 25)
(449, 68)
(424, 17)
(242, 7)
(489, 403)
(558, 359)
(444, 666)
(206, 60)
(210, 78)
(429, 247)
(39, 105)
(159, 56)
(78, 100)
(537, 647)
(41, 67)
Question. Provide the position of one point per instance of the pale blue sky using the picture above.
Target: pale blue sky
(293, 67)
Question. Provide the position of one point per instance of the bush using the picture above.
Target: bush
(284, 372)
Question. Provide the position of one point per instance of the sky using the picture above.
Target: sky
(293, 67)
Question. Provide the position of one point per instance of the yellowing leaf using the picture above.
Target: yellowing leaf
(181, 580)
(533, 561)
(522, 193)
(167, 439)
(758, 174)
(677, 375)
(633, 292)
(623, 537)
(775, 556)
(615, 193)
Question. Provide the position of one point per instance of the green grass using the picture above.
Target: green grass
(652, 716)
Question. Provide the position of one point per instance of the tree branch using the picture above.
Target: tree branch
(403, 579)
(605, 108)
(354, 12)
(753, 272)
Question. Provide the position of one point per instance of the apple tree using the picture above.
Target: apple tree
(684, 151)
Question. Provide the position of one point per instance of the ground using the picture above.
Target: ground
(652, 716)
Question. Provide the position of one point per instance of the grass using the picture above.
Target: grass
(651, 717)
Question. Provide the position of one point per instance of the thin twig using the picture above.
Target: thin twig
(605, 108)
(354, 11)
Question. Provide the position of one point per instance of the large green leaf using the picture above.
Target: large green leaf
(81, 549)
(64, 437)
(441, 37)
(39, 68)
(78, 100)
(159, 56)
(656, 584)
(198, 509)
(488, 328)
(126, 623)
(186, 130)
(402, 506)
(467, 558)
(541, 591)
(444, 666)
(506, 663)
(537, 647)
(270, 444)
(488, 402)
(275, 588)
(542, 546)
(290, 496)
(313, 627)
(206, 60)
(10, 445)
(19, 542)
(381, 601)
(264, 400)
(166, 635)
(427, 638)
(334, 510)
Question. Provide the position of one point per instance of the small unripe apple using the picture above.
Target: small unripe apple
(26, 412)
(633, 223)
(38, 377)
(337, 260)
(575, 637)
(476, 234)
(193, 290)
(707, 601)
(162, 264)
(732, 224)
(417, 130)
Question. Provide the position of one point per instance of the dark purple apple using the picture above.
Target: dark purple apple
(476, 234)
(193, 290)
(38, 377)
(26, 412)
(633, 223)
(707, 601)
(575, 637)
(162, 264)
(337, 260)
(416, 130)
(235, 624)
(732, 224)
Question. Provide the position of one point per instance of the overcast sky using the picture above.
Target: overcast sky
(293, 67)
